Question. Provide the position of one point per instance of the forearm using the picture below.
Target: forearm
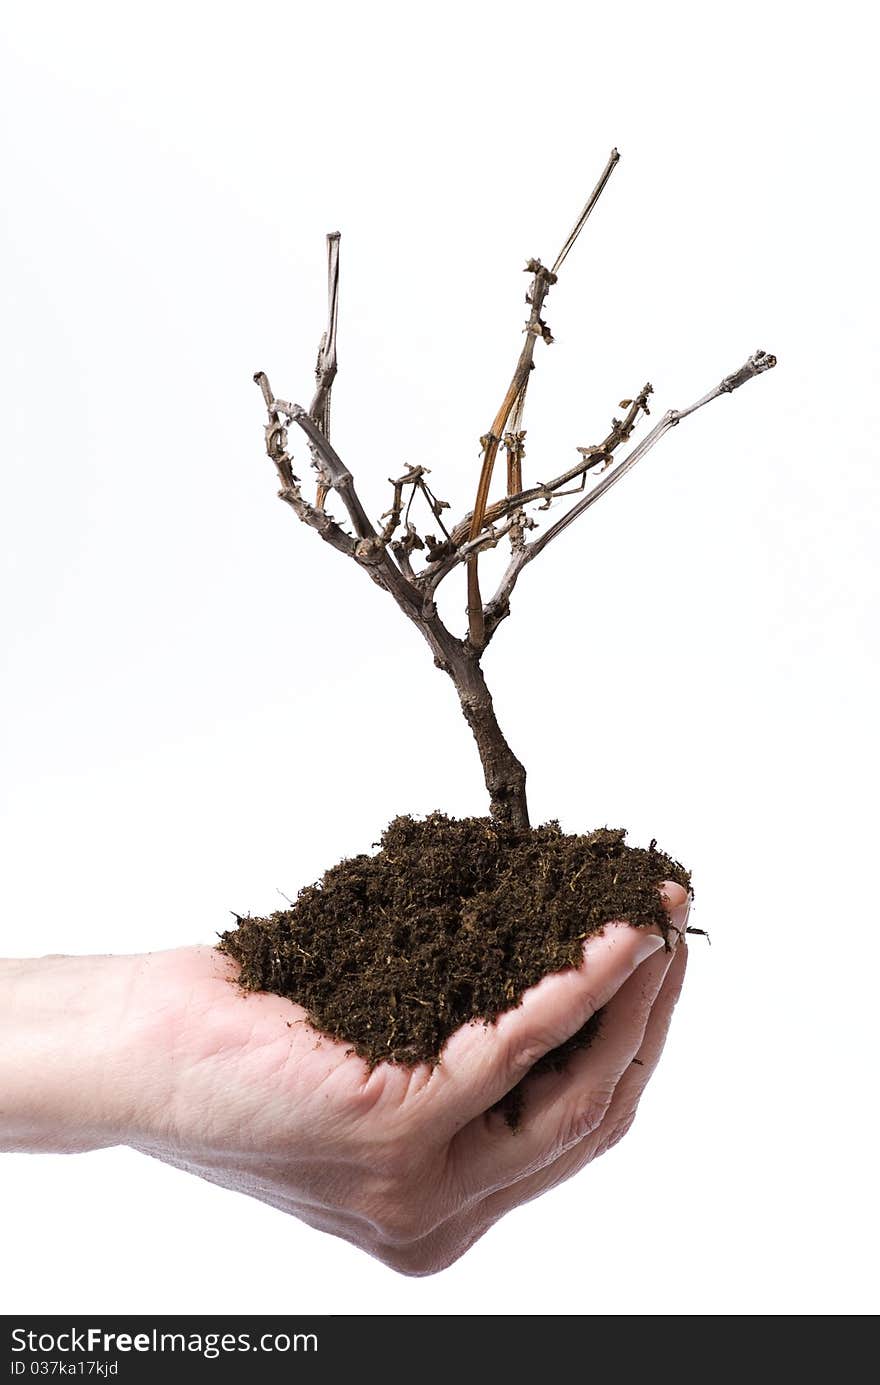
(65, 1058)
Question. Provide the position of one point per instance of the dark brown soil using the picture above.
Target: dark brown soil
(451, 921)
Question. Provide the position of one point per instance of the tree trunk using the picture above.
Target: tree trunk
(504, 774)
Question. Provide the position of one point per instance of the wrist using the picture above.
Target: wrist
(67, 1079)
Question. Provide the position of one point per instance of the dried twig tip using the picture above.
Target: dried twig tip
(755, 365)
(593, 199)
(261, 379)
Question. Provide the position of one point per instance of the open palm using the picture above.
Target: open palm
(411, 1164)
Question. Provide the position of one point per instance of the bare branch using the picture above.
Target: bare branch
(755, 365)
(290, 493)
(514, 446)
(447, 557)
(514, 402)
(340, 478)
(504, 774)
(325, 369)
(620, 431)
(582, 219)
(535, 327)
(369, 550)
(414, 477)
(499, 607)
(411, 477)
(402, 548)
(435, 505)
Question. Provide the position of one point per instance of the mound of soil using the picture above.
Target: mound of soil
(450, 921)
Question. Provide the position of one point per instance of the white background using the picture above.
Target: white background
(186, 669)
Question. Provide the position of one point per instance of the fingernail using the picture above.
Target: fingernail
(678, 913)
(678, 919)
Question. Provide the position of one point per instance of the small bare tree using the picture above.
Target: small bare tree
(386, 550)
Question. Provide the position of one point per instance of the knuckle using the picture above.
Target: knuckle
(584, 1118)
(370, 1093)
(524, 1054)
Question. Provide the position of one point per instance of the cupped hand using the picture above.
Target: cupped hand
(411, 1164)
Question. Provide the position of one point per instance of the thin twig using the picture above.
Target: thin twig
(411, 477)
(340, 478)
(535, 327)
(290, 493)
(326, 367)
(499, 606)
(620, 431)
(514, 400)
(371, 552)
(581, 221)
(446, 558)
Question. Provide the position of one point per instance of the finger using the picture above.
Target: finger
(631, 1087)
(620, 1113)
(561, 1108)
(454, 1236)
(677, 903)
(481, 1062)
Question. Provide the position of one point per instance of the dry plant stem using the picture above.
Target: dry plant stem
(514, 399)
(447, 558)
(326, 367)
(387, 558)
(490, 441)
(499, 606)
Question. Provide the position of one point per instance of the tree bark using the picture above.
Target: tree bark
(504, 774)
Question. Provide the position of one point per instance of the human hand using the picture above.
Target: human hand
(413, 1165)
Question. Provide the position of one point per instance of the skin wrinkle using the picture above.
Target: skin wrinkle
(441, 1220)
(529, 1188)
(372, 1088)
(636, 1079)
(183, 1059)
(496, 1143)
(531, 1172)
(419, 1080)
